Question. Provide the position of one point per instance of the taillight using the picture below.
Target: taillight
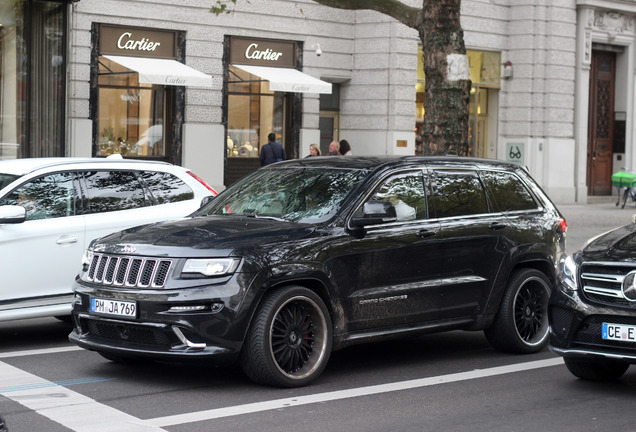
(563, 225)
(200, 180)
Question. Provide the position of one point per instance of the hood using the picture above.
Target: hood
(616, 245)
(202, 236)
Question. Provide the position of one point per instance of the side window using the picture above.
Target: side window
(166, 187)
(406, 192)
(458, 193)
(51, 196)
(508, 191)
(114, 190)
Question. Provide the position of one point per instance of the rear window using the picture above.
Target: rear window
(114, 190)
(508, 192)
(458, 193)
(166, 187)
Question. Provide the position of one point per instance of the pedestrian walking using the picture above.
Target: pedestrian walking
(272, 152)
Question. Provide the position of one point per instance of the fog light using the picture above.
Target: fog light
(187, 308)
(77, 300)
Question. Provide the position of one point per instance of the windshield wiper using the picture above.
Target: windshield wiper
(257, 216)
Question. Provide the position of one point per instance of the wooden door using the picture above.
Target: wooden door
(601, 123)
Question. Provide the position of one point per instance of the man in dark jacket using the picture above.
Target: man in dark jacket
(272, 152)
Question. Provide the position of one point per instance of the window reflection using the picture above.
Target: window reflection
(295, 194)
(47, 197)
(406, 193)
(114, 190)
(458, 194)
(508, 192)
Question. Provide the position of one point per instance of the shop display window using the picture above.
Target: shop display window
(253, 112)
(131, 114)
(33, 38)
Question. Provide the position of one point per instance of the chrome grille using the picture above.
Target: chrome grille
(129, 271)
(602, 282)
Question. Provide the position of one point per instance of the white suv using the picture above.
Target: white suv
(51, 208)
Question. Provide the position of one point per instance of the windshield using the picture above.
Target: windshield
(297, 194)
(6, 179)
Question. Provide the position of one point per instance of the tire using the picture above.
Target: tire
(289, 340)
(521, 325)
(596, 370)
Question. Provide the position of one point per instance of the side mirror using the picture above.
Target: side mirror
(374, 213)
(206, 200)
(10, 214)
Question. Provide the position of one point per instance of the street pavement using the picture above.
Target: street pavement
(588, 220)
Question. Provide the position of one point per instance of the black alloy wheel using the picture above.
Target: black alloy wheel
(289, 341)
(521, 325)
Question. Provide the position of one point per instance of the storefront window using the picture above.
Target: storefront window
(131, 114)
(254, 111)
(32, 78)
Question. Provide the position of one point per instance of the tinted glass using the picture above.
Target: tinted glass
(114, 190)
(5, 179)
(166, 187)
(296, 194)
(458, 193)
(46, 197)
(406, 192)
(508, 191)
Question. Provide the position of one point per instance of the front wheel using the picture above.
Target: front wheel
(289, 341)
(521, 325)
(596, 370)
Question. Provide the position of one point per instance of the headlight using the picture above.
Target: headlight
(211, 266)
(87, 258)
(567, 274)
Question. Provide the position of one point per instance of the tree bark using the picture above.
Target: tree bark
(447, 88)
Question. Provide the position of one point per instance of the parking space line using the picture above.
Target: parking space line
(39, 351)
(66, 407)
(350, 393)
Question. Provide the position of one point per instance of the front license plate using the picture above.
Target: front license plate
(114, 307)
(620, 332)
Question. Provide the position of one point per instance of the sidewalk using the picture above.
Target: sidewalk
(587, 220)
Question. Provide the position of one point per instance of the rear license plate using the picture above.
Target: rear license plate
(114, 307)
(620, 332)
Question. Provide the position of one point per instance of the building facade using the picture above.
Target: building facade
(553, 84)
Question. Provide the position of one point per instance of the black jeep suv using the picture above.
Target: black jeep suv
(306, 256)
(593, 313)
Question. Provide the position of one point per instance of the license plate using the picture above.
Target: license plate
(114, 307)
(620, 332)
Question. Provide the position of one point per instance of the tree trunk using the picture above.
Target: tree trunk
(447, 88)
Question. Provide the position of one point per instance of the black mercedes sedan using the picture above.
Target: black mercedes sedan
(593, 312)
(307, 256)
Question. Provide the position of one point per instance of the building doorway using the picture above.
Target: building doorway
(601, 123)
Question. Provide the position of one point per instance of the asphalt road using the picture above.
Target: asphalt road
(445, 382)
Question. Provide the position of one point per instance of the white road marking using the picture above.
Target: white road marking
(66, 407)
(350, 393)
(39, 351)
(79, 413)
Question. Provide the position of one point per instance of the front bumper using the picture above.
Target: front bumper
(165, 327)
(576, 328)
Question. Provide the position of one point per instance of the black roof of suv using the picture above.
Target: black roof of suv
(304, 257)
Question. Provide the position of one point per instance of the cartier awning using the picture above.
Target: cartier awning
(163, 72)
(288, 80)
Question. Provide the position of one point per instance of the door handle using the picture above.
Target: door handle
(497, 226)
(426, 233)
(66, 240)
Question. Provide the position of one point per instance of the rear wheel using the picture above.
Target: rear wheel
(596, 370)
(521, 325)
(289, 340)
